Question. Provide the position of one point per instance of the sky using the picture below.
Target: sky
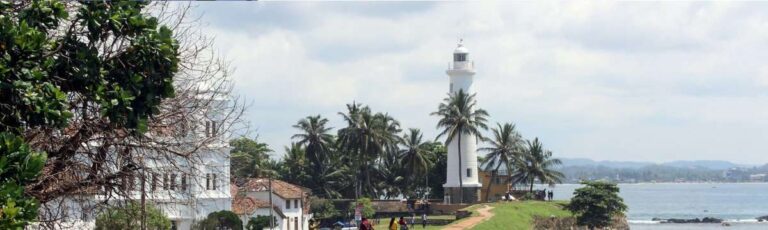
(638, 81)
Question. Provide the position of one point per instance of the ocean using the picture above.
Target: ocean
(737, 203)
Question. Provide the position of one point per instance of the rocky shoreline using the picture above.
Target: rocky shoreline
(705, 220)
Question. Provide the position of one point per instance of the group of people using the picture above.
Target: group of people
(394, 224)
(546, 195)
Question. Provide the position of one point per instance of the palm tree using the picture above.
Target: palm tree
(458, 117)
(390, 177)
(249, 157)
(368, 136)
(506, 149)
(538, 164)
(415, 155)
(315, 139)
(295, 166)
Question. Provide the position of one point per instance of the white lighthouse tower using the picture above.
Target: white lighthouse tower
(461, 73)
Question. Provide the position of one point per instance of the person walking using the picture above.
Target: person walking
(424, 220)
(403, 224)
(393, 224)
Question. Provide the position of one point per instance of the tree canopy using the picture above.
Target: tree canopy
(596, 204)
(59, 62)
(129, 217)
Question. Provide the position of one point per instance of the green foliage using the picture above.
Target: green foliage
(368, 211)
(46, 67)
(596, 203)
(436, 173)
(19, 165)
(259, 223)
(367, 138)
(520, 215)
(129, 217)
(458, 116)
(537, 164)
(323, 209)
(218, 220)
(506, 149)
(249, 158)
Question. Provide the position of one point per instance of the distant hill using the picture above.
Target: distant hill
(717, 165)
(705, 164)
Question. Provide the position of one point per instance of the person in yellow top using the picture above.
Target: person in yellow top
(393, 224)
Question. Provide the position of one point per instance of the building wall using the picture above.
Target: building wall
(294, 214)
(499, 187)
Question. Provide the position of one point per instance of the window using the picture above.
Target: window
(469, 172)
(287, 204)
(296, 203)
(213, 182)
(498, 180)
(451, 88)
(183, 182)
(166, 182)
(173, 181)
(155, 179)
(210, 181)
(459, 57)
(207, 128)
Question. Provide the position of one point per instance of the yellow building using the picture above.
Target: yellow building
(499, 186)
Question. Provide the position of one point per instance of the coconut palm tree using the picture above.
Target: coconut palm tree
(367, 136)
(316, 140)
(415, 155)
(458, 116)
(538, 164)
(505, 149)
(249, 157)
(295, 166)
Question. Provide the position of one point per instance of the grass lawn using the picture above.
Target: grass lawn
(519, 215)
(384, 224)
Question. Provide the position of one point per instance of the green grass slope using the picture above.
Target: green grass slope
(519, 215)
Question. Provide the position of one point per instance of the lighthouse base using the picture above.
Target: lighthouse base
(453, 195)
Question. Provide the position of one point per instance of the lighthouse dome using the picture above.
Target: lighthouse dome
(461, 49)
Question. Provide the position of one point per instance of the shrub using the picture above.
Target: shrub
(258, 223)
(324, 209)
(367, 211)
(129, 217)
(596, 203)
(220, 220)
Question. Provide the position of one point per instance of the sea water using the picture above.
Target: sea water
(737, 203)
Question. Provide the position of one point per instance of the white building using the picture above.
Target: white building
(290, 203)
(461, 73)
(185, 189)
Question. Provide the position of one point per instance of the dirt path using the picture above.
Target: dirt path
(485, 214)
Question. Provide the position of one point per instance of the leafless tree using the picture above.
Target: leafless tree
(94, 157)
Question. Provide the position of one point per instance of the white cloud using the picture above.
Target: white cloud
(614, 81)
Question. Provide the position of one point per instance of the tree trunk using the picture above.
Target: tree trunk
(531, 186)
(493, 176)
(461, 181)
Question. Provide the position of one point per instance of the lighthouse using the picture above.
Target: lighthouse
(461, 72)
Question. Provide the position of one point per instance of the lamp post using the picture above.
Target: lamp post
(271, 207)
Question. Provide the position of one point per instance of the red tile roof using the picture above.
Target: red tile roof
(246, 206)
(280, 188)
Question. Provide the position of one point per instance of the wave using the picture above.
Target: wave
(737, 221)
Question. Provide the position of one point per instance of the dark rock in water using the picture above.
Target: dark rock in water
(707, 220)
(711, 220)
(762, 218)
